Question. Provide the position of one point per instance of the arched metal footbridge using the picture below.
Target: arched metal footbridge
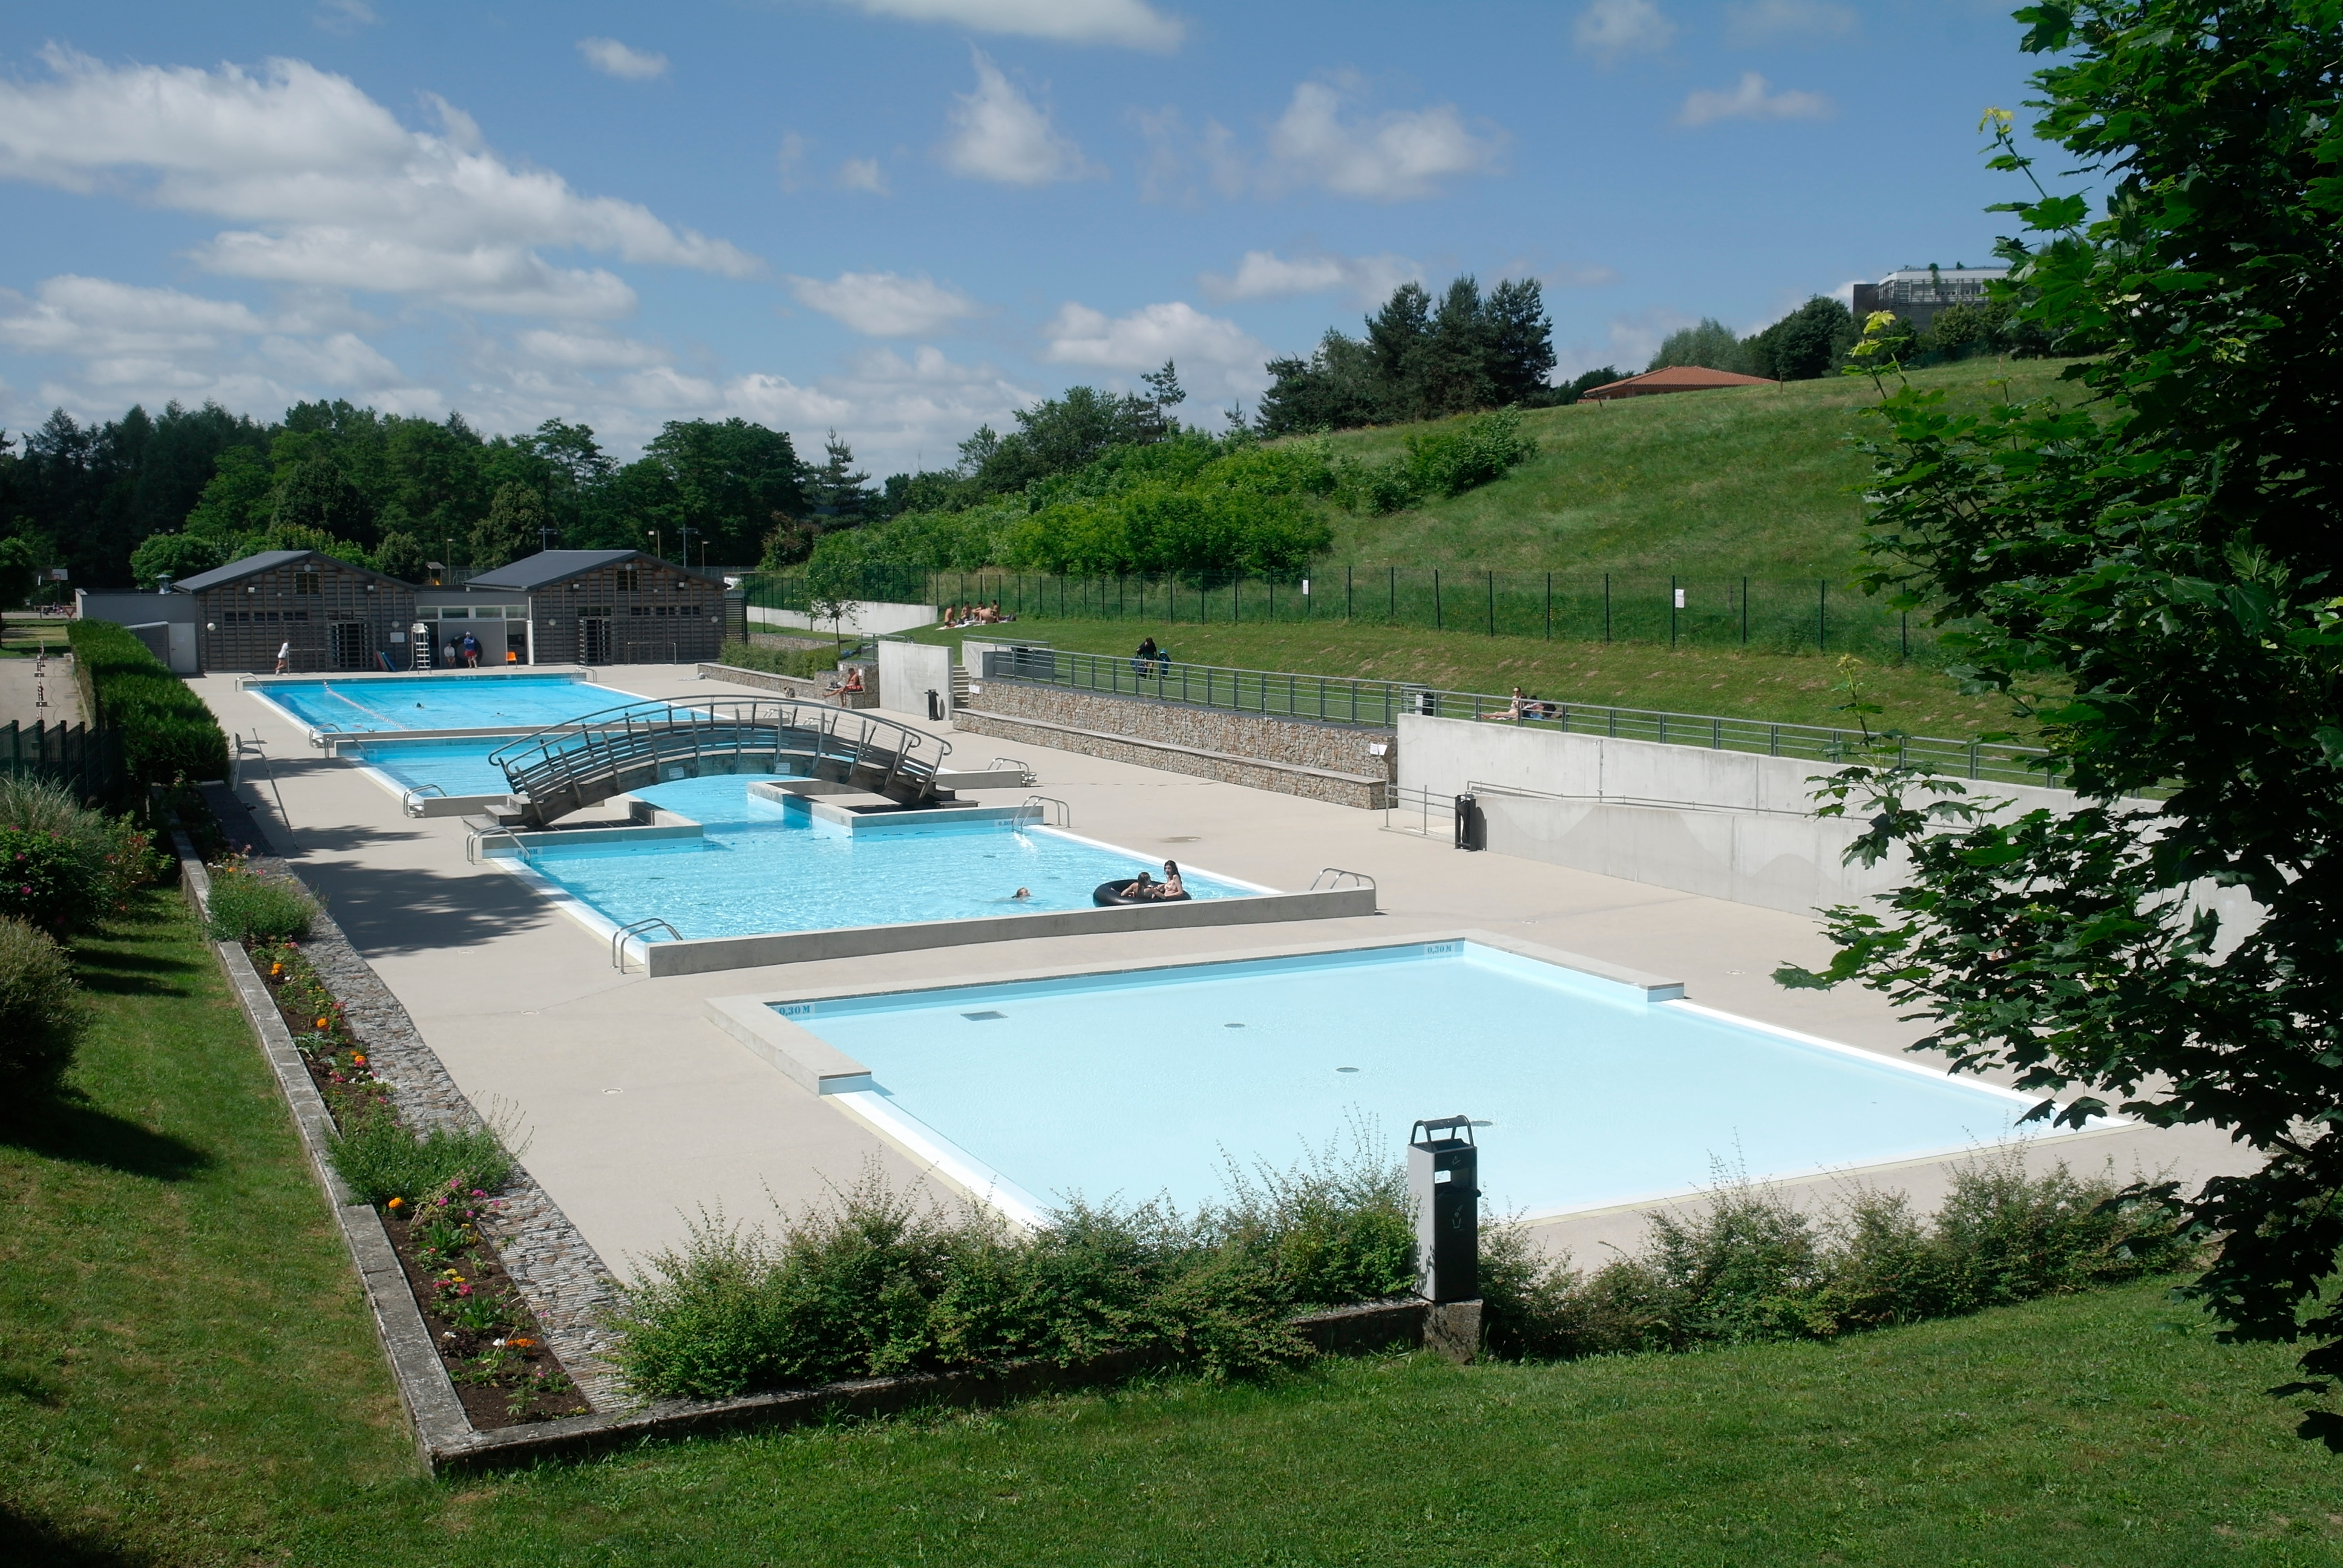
(569, 767)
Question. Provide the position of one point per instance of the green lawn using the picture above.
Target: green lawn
(1759, 482)
(1785, 688)
(186, 1376)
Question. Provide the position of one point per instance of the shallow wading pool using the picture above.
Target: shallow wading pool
(1590, 1094)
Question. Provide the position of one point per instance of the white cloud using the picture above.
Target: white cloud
(1130, 23)
(884, 304)
(1265, 274)
(1394, 156)
(1751, 101)
(862, 174)
(1754, 22)
(1608, 29)
(1149, 335)
(613, 58)
(331, 189)
(121, 342)
(999, 135)
(1629, 343)
(788, 159)
(344, 17)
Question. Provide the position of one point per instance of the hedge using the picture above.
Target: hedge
(168, 733)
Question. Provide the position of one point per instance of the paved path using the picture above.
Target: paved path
(644, 1116)
(23, 681)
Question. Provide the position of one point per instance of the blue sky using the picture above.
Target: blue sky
(902, 218)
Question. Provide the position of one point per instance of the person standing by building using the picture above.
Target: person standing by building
(471, 651)
(283, 657)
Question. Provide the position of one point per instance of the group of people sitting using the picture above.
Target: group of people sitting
(1525, 706)
(959, 615)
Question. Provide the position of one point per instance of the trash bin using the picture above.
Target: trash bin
(1471, 824)
(935, 704)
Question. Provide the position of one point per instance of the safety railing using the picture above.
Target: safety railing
(410, 801)
(1332, 877)
(1046, 810)
(1025, 774)
(1379, 704)
(620, 938)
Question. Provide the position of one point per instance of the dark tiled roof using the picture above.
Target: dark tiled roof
(553, 566)
(265, 560)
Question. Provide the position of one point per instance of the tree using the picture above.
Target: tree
(1163, 389)
(1418, 360)
(1338, 387)
(174, 556)
(729, 482)
(1520, 343)
(1397, 336)
(20, 565)
(838, 496)
(317, 495)
(401, 555)
(1804, 344)
(1711, 345)
(2151, 570)
(510, 530)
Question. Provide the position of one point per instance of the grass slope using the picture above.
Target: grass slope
(188, 1377)
(1760, 482)
(1776, 688)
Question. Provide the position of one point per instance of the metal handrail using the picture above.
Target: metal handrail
(480, 836)
(618, 940)
(1378, 704)
(408, 799)
(1026, 776)
(1039, 804)
(1357, 879)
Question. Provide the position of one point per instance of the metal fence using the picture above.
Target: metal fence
(1783, 614)
(85, 761)
(1332, 699)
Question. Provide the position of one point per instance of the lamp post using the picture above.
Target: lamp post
(1444, 1178)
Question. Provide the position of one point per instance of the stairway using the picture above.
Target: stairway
(959, 684)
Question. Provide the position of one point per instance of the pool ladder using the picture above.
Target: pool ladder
(411, 801)
(618, 940)
(1333, 877)
(1038, 808)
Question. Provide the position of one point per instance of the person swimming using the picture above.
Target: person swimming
(1020, 893)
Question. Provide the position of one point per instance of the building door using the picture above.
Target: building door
(594, 641)
(350, 651)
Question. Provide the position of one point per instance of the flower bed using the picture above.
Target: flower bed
(487, 1336)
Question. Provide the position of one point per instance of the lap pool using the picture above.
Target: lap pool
(762, 866)
(513, 703)
(1147, 1082)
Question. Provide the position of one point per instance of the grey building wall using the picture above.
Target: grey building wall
(335, 616)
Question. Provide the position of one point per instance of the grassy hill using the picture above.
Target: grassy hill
(1760, 481)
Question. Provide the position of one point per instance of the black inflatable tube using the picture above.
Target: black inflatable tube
(1111, 894)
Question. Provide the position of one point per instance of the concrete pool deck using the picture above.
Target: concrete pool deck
(642, 1113)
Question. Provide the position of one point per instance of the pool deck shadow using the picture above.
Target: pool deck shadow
(643, 1113)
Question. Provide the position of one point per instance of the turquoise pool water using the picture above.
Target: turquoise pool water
(518, 703)
(458, 767)
(764, 866)
(1144, 1083)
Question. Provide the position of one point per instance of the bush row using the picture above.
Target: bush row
(1747, 1267)
(804, 663)
(881, 1283)
(167, 732)
(1441, 462)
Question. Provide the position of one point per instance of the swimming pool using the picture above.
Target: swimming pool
(1149, 1081)
(514, 703)
(458, 767)
(763, 866)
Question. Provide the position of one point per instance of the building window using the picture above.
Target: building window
(305, 582)
(630, 579)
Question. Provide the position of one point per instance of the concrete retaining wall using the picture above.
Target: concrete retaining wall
(872, 618)
(908, 671)
(1332, 762)
(710, 954)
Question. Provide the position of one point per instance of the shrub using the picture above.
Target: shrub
(381, 1160)
(804, 663)
(167, 732)
(1444, 462)
(1747, 1267)
(41, 1019)
(880, 1283)
(250, 909)
(117, 854)
(43, 881)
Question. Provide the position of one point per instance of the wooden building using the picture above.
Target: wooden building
(334, 615)
(585, 606)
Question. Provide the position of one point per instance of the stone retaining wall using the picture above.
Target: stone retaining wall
(1332, 762)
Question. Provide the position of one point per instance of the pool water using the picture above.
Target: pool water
(514, 703)
(456, 766)
(766, 867)
(1147, 1082)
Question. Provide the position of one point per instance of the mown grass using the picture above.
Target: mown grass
(1784, 688)
(188, 1377)
(1759, 482)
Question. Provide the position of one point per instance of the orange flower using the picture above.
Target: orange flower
(323, 1023)
(358, 1057)
(396, 1203)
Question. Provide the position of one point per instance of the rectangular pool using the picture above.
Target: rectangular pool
(458, 766)
(1588, 1094)
(763, 866)
(514, 703)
